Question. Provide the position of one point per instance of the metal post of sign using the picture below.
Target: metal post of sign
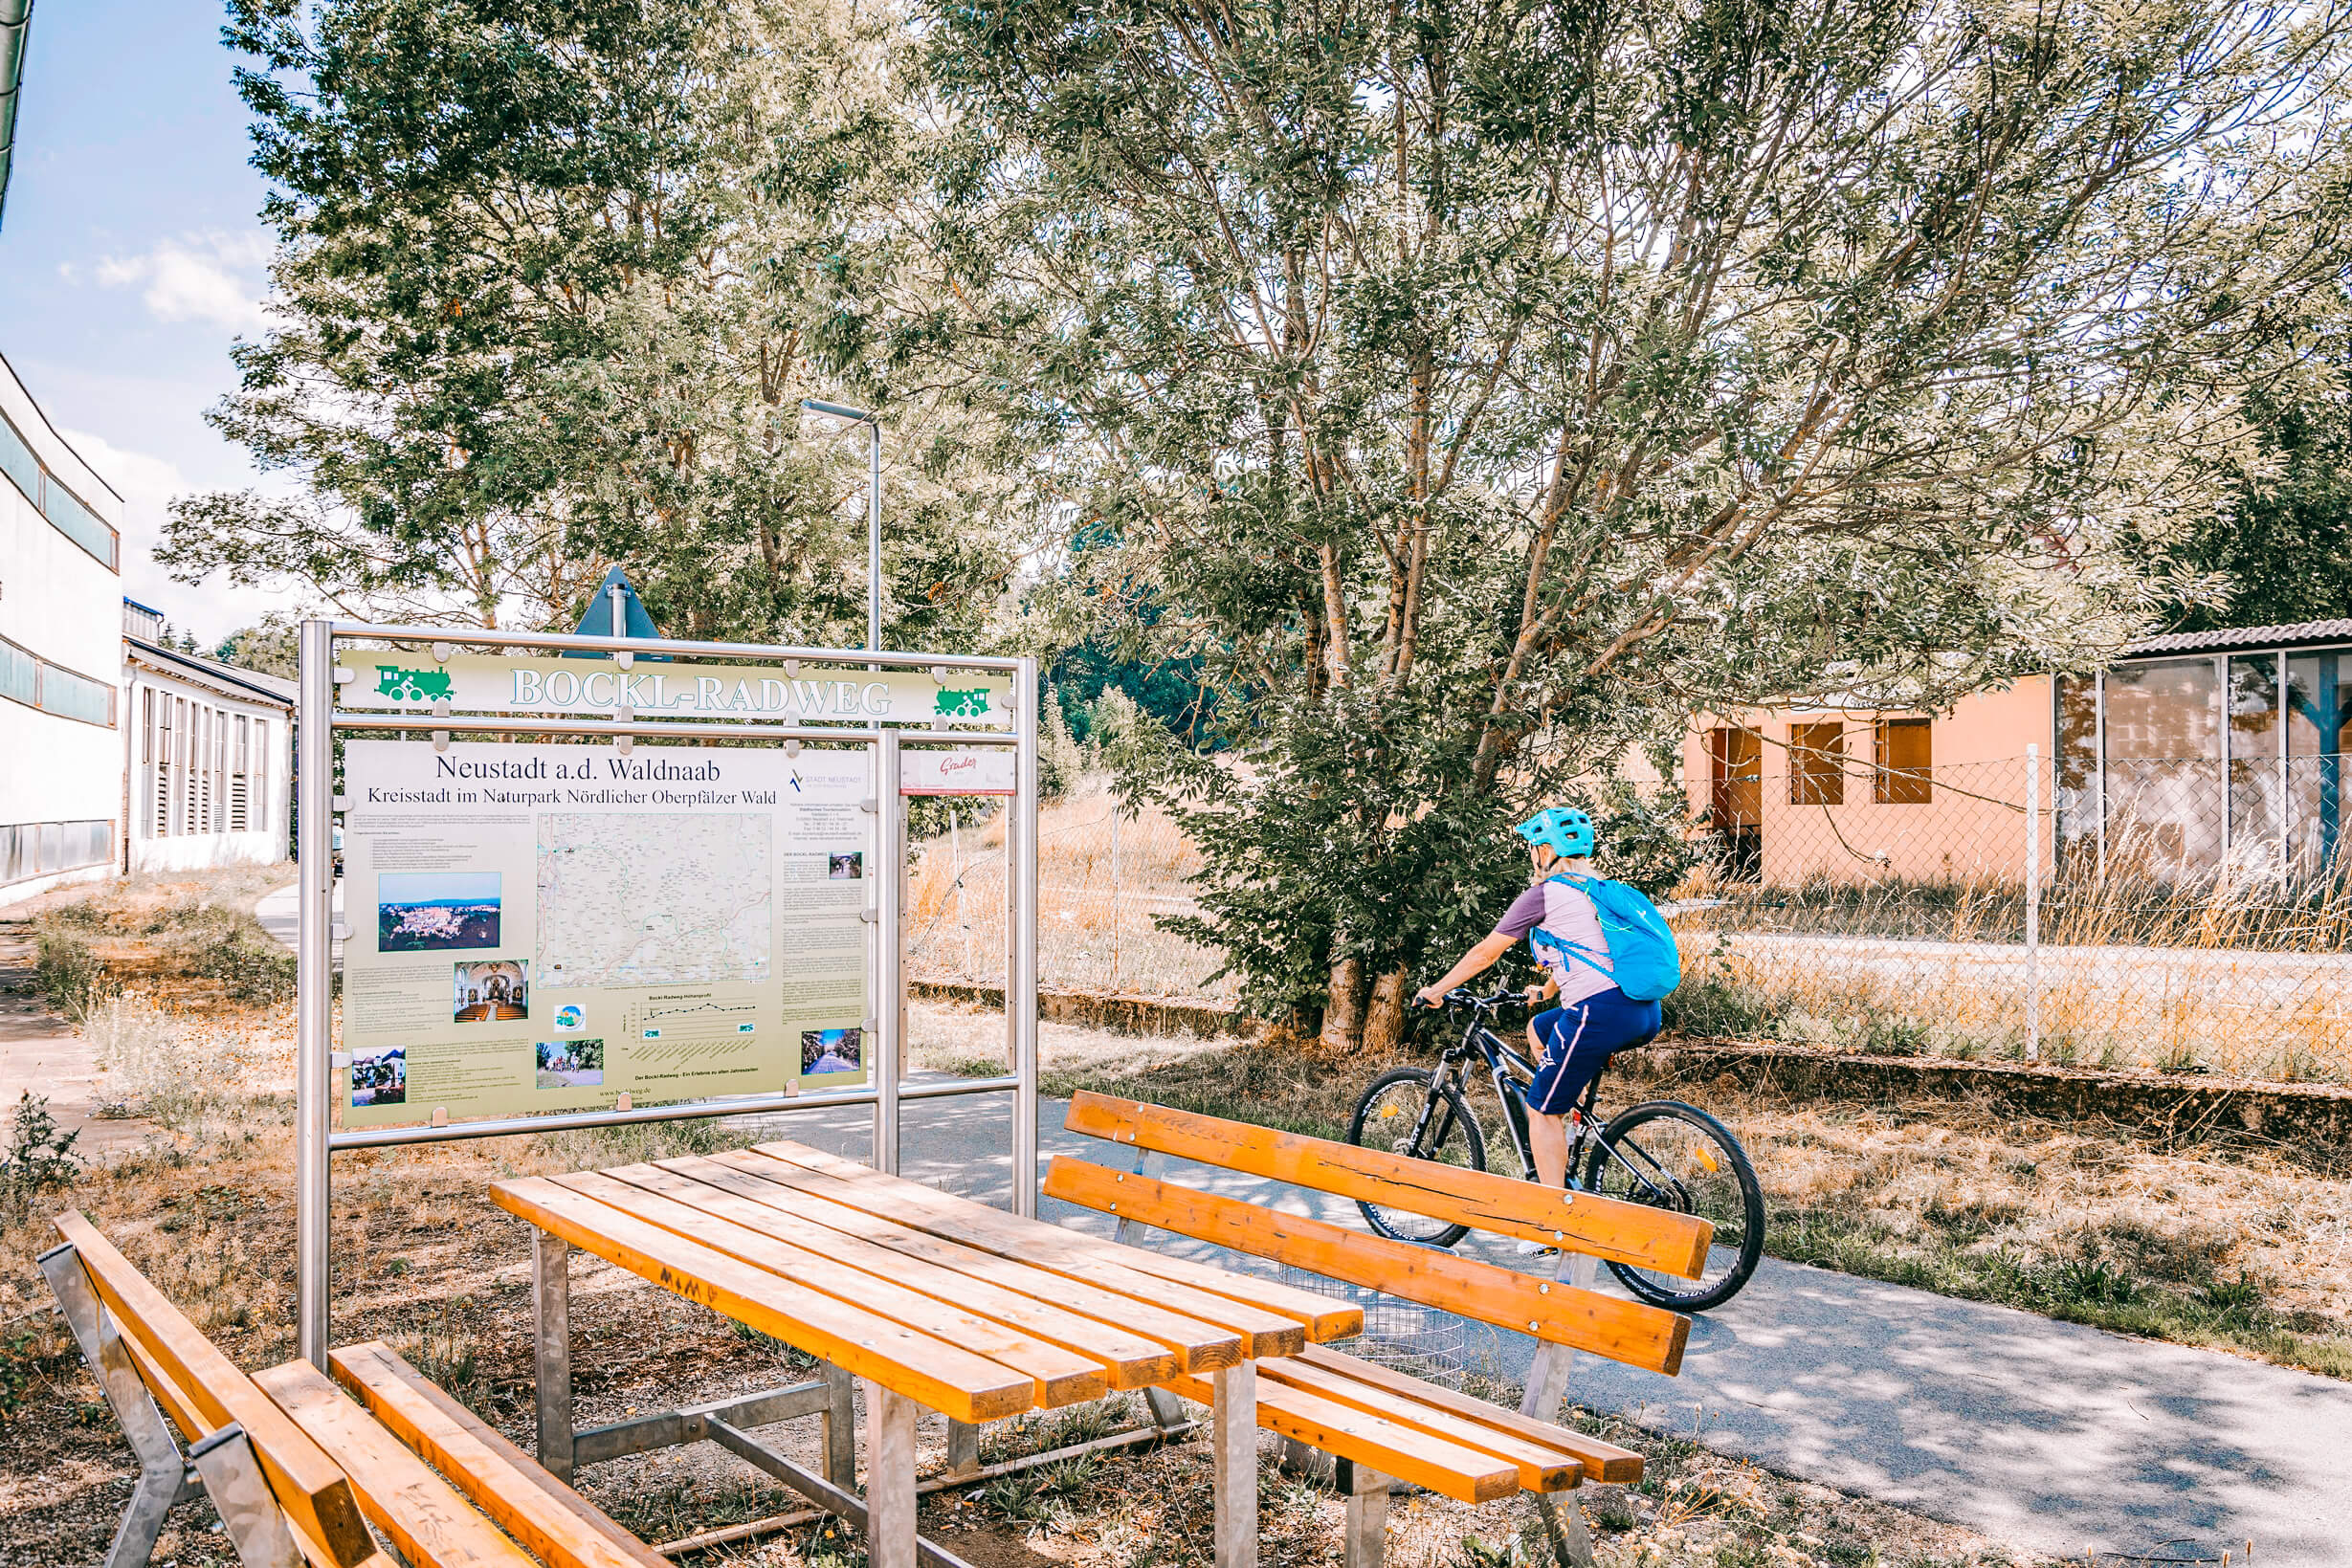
(318, 715)
(313, 1084)
(2034, 902)
(889, 874)
(1021, 987)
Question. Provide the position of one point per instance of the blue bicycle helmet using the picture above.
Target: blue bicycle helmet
(1567, 830)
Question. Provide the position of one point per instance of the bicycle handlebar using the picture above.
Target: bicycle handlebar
(1461, 996)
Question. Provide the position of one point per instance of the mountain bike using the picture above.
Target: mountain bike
(1661, 1153)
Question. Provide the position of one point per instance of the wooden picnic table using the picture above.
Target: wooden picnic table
(933, 1301)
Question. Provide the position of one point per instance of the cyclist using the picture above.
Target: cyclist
(1571, 1042)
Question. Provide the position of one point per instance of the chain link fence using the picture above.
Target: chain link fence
(2171, 915)
(1103, 873)
(2166, 916)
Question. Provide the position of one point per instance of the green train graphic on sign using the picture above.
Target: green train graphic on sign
(965, 704)
(411, 685)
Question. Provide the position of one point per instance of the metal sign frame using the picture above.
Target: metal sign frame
(319, 720)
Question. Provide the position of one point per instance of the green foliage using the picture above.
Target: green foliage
(2284, 543)
(543, 306)
(1468, 395)
(69, 972)
(273, 647)
(250, 966)
(39, 1159)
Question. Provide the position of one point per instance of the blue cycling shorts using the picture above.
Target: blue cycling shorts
(1575, 1042)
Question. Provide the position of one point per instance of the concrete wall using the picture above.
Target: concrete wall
(62, 605)
(1971, 826)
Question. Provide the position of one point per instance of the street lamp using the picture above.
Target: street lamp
(873, 510)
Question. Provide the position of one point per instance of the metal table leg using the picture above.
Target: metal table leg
(163, 1476)
(1367, 1536)
(1234, 1445)
(890, 1478)
(551, 1349)
(240, 1495)
(840, 1426)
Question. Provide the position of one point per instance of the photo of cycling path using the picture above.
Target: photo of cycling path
(2051, 1437)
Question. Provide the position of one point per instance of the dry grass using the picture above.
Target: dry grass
(2239, 1245)
(1101, 878)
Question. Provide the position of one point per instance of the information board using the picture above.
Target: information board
(551, 928)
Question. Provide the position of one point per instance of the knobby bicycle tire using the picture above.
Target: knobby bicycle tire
(1605, 1176)
(1453, 1117)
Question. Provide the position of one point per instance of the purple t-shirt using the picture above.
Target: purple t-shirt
(1563, 909)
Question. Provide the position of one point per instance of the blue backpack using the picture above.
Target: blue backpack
(1644, 961)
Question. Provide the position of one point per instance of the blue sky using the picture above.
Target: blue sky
(131, 256)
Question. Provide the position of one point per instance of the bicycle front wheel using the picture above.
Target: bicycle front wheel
(1400, 1114)
(1677, 1156)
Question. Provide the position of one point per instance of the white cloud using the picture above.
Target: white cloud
(148, 486)
(197, 278)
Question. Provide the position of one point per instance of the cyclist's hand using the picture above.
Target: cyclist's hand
(1429, 996)
(1535, 994)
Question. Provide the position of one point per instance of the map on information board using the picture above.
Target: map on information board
(655, 899)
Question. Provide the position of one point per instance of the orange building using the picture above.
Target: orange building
(2191, 753)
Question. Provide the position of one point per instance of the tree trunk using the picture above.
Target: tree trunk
(1343, 1006)
(1384, 1022)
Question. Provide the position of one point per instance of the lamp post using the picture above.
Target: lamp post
(874, 509)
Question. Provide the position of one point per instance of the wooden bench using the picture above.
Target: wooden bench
(297, 1470)
(1374, 1421)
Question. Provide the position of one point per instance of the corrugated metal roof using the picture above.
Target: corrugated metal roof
(2232, 638)
(271, 687)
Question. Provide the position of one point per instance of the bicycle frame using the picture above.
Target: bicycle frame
(1511, 1074)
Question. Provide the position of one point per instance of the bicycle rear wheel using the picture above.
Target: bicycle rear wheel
(1677, 1156)
(1390, 1118)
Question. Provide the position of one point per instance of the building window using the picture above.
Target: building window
(1906, 762)
(36, 849)
(1734, 766)
(1817, 763)
(53, 500)
(54, 688)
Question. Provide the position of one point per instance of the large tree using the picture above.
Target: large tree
(543, 305)
(1474, 388)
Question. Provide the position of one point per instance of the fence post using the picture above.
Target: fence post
(2034, 902)
(1114, 894)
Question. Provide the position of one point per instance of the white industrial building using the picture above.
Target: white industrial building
(210, 752)
(61, 755)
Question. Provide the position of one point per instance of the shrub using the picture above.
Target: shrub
(40, 1157)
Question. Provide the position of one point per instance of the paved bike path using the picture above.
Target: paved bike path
(2049, 1437)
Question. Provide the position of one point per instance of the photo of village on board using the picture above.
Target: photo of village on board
(433, 911)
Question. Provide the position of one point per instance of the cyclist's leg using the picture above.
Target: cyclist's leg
(1584, 1039)
(1547, 1130)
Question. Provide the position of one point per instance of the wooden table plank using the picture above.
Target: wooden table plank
(491, 1471)
(1542, 1466)
(307, 1484)
(1277, 1318)
(421, 1513)
(1630, 1332)
(1601, 1461)
(943, 1377)
(1405, 1453)
(1202, 1347)
(1062, 1377)
(1128, 1361)
(1061, 1252)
